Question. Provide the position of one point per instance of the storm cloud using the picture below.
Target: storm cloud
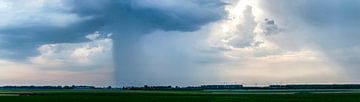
(128, 20)
(185, 42)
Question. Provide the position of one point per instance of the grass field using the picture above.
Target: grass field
(180, 96)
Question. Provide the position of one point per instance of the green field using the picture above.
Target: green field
(180, 96)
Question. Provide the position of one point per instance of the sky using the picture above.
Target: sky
(179, 42)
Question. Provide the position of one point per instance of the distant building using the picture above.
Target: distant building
(83, 87)
(157, 87)
(317, 86)
(221, 86)
(278, 86)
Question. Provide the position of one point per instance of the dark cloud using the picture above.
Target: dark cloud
(136, 14)
(122, 16)
(128, 20)
(269, 27)
(25, 39)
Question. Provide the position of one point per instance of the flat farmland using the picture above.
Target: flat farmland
(179, 96)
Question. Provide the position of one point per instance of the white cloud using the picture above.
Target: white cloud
(94, 36)
(87, 63)
(257, 50)
(84, 55)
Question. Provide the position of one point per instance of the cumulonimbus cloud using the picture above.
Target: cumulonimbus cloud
(149, 32)
(128, 20)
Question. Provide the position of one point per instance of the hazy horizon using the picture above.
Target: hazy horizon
(179, 42)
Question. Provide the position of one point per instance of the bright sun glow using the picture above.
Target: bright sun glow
(235, 13)
(234, 17)
(240, 7)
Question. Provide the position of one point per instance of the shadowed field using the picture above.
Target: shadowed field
(180, 96)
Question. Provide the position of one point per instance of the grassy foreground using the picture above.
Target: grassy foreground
(174, 96)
